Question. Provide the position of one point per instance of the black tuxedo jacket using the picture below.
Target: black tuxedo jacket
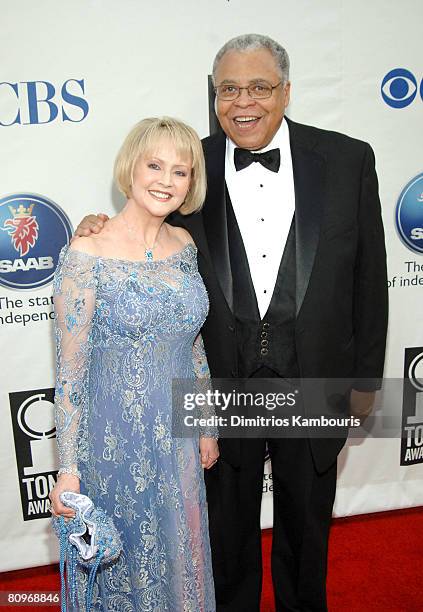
(341, 285)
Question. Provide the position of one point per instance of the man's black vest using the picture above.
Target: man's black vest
(267, 343)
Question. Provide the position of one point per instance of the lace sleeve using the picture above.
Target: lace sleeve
(202, 373)
(74, 303)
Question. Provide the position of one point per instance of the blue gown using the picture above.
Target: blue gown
(124, 330)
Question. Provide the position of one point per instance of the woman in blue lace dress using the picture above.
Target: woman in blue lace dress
(129, 305)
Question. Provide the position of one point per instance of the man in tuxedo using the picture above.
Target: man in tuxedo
(291, 249)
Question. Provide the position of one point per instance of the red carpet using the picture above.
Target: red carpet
(375, 563)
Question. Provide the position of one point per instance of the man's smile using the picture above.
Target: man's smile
(246, 122)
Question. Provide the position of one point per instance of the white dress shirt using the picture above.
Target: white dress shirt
(264, 204)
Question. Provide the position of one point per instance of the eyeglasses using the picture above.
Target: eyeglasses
(257, 91)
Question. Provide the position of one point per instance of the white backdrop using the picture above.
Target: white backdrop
(127, 60)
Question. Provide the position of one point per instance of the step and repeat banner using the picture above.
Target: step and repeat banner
(74, 78)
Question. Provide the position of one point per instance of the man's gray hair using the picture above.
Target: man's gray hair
(250, 42)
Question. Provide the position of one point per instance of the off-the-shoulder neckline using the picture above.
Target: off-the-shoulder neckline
(136, 261)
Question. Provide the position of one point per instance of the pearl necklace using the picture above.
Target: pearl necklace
(148, 251)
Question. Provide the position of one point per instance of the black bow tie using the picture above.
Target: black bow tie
(269, 159)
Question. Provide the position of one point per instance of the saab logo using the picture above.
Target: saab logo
(33, 229)
(409, 214)
(38, 102)
(399, 88)
(35, 447)
(412, 408)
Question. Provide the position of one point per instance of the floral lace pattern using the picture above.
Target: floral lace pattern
(124, 330)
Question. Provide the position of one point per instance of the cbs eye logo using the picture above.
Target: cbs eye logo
(399, 88)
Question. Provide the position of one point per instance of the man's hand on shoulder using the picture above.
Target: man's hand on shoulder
(91, 224)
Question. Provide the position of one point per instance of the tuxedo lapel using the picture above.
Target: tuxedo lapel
(214, 214)
(309, 168)
(210, 229)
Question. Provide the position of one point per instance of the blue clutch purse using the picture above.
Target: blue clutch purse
(89, 539)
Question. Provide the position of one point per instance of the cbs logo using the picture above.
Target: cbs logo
(39, 102)
(399, 88)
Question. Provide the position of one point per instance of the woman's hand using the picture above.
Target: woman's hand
(361, 403)
(209, 452)
(65, 482)
(91, 224)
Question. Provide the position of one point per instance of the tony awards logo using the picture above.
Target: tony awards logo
(34, 433)
(412, 411)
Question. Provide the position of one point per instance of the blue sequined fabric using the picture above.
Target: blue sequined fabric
(124, 330)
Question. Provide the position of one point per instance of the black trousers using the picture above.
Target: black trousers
(303, 501)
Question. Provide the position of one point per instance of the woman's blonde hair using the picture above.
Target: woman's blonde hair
(143, 139)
